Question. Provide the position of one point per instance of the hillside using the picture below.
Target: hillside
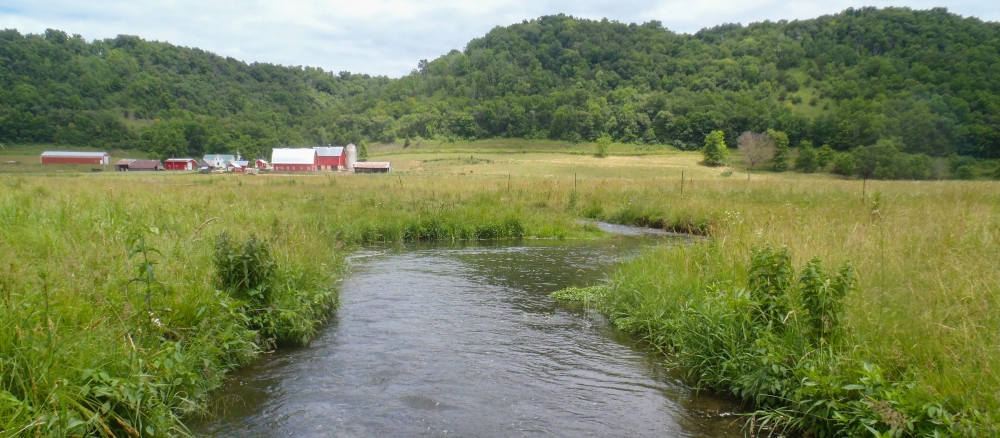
(930, 78)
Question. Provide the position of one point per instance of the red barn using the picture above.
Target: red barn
(63, 157)
(293, 160)
(329, 157)
(180, 164)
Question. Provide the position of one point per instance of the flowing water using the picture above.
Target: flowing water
(464, 340)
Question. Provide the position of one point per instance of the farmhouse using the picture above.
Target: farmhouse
(330, 157)
(180, 164)
(294, 160)
(219, 161)
(372, 167)
(63, 157)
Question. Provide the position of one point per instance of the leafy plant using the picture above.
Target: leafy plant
(770, 278)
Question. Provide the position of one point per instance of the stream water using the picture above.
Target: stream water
(464, 340)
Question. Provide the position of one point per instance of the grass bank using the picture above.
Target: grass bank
(125, 299)
(911, 349)
(920, 312)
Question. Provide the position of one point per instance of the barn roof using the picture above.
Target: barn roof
(145, 164)
(74, 154)
(293, 156)
(329, 151)
(372, 165)
(124, 162)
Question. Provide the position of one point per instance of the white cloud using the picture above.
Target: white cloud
(386, 36)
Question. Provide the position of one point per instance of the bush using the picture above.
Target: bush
(781, 152)
(844, 164)
(245, 270)
(806, 161)
(715, 150)
(965, 172)
(603, 146)
(824, 156)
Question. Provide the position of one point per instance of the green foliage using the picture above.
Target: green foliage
(798, 370)
(922, 76)
(715, 150)
(824, 156)
(844, 164)
(965, 172)
(822, 297)
(603, 146)
(782, 153)
(806, 161)
(883, 160)
(245, 270)
(770, 278)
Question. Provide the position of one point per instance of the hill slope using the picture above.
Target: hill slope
(931, 78)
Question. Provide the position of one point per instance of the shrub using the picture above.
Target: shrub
(965, 172)
(844, 164)
(246, 270)
(771, 276)
(715, 150)
(603, 146)
(781, 152)
(824, 156)
(806, 161)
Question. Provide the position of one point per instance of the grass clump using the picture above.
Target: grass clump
(772, 336)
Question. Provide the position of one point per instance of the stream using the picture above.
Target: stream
(464, 340)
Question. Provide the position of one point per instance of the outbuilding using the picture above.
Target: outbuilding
(262, 164)
(130, 165)
(372, 167)
(294, 160)
(329, 157)
(180, 164)
(69, 157)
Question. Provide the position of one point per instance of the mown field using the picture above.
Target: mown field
(99, 337)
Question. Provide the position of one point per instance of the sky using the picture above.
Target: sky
(389, 37)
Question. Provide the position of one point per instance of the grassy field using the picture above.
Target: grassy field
(84, 352)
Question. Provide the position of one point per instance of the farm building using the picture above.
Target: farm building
(372, 167)
(205, 166)
(262, 164)
(294, 160)
(63, 157)
(219, 161)
(330, 157)
(130, 165)
(180, 164)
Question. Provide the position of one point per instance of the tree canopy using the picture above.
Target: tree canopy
(929, 80)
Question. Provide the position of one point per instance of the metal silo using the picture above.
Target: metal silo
(352, 157)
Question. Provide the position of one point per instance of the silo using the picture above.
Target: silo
(352, 157)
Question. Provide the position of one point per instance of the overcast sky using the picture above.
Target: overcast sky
(389, 37)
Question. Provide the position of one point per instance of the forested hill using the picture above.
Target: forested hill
(930, 78)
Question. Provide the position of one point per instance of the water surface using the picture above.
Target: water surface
(463, 340)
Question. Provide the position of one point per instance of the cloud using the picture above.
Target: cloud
(385, 37)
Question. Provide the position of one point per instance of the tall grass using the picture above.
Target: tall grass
(79, 355)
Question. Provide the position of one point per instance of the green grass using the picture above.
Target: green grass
(76, 334)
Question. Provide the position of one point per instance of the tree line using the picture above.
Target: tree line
(926, 82)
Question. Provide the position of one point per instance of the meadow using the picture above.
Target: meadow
(118, 318)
